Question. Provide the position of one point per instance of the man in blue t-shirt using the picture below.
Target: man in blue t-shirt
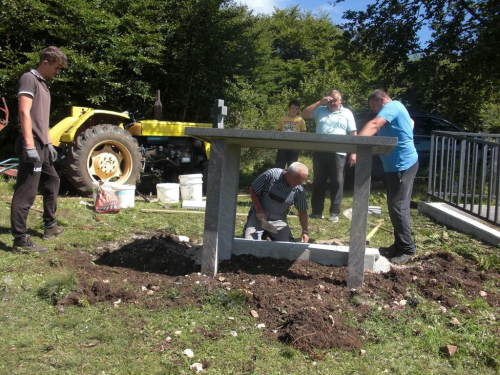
(393, 120)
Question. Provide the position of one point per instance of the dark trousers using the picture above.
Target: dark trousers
(399, 190)
(29, 175)
(286, 157)
(327, 165)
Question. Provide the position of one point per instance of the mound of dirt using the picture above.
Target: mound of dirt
(304, 304)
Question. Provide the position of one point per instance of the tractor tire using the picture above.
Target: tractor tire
(103, 152)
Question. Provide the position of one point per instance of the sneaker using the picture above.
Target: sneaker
(388, 252)
(315, 216)
(334, 218)
(55, 231)
(25, 244)
(401, 259)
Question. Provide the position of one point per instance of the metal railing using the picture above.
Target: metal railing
(464, 172)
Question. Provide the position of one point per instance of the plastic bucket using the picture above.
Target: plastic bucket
(124, 193)
(191, 187)
(168, 193)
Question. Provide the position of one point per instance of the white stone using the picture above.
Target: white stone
(196, 367)
(189, 353)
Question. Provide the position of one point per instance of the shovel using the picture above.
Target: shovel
(269, 227)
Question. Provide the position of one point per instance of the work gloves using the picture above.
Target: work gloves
(32, 156)
(52, 152)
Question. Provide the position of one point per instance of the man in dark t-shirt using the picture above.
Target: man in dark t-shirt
(35, 152)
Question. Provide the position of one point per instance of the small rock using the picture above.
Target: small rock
(442, 309)
(414, 278)
(454, 321)
(261, 325)
(189, 353)
(482, 293)
(168, 339)
(118, 301)
(448, 350)
(150, 292)
(196, 367)
(402, 302)
(315, 363)
(143, 288)
(254, 314)
(154, 287)
(321, 286)
(362, 352)
(230, 318)
(61, 309)
(221, 279)
(234, 333)
(181, 238)
(105, 281)
(177, 333)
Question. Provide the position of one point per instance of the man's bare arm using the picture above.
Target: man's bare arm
(372, 126)
(25, 103)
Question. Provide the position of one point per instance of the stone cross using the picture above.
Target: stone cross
(218, 113)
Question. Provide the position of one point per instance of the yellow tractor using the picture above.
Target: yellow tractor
(96, 145)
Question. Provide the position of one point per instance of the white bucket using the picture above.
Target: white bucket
(191, 187)
(124, 193)
(168, 193)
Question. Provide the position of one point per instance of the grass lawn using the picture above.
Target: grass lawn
(147, 334)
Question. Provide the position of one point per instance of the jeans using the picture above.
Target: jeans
(285, 158)
(399, 190)
(327, 165)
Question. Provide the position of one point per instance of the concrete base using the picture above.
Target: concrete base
(462, 223)
(323, 254)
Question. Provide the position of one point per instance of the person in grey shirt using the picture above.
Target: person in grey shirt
(35, 152)
(273, 193)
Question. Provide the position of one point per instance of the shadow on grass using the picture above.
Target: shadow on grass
(8, 246)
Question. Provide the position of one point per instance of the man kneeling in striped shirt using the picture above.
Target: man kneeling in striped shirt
(273, 193)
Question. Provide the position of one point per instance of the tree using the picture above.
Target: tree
(460, 58)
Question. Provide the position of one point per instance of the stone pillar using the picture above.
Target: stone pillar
(361, 198)
(220, 212)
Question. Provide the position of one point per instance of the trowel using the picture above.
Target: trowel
(269, 227)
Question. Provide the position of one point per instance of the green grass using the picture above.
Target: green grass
(36, 338)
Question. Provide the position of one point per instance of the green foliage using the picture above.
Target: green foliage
(224, 298)
(58, 285)
(455, 74)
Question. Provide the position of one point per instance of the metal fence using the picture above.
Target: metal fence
(464, 171)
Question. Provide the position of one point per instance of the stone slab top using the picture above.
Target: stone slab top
(295, 141)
